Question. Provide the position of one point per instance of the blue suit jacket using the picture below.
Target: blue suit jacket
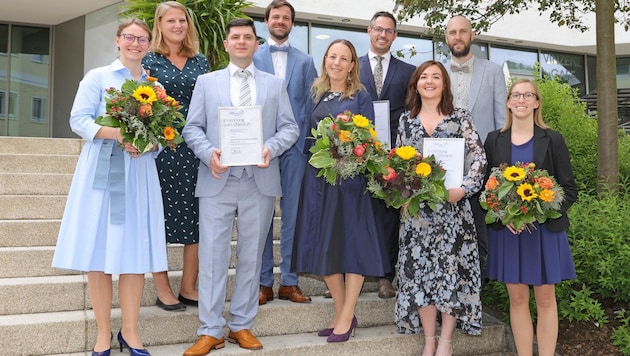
(394, 88)
(201, 131)
(488, 95)
(298, 79)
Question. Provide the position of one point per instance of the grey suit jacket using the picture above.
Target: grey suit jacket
(488, 95)
(201, 132)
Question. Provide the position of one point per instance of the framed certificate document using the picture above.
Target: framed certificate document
(449, 152)
(381, 121)
(241, 135)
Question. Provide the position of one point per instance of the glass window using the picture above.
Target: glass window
(4, 85)
(569, 68)
(38, 109)
(8, 106)
(443, 53)
(516, 63)
(623, 73)
(322, 35)
(410, 49)
(298, 37)
(591, 63)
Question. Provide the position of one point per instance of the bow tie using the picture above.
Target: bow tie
(278, 48)
(457, 68)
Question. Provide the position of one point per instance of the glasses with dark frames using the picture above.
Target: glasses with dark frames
(142, 40)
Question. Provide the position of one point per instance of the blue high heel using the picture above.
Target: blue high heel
(132, 351)
(328, 331)
(344, 337)
(106, 352)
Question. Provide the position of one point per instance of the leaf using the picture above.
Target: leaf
(321, 159)
(107, 120)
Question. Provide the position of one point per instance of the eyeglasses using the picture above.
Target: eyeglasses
(379, 30)
(142, 40)
(529, 96)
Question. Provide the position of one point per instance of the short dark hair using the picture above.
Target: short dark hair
(279, 3)
(240, 22)
(382, 14)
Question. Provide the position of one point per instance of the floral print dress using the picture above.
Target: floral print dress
(438, 261)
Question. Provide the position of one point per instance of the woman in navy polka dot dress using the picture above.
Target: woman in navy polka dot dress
(174, 60)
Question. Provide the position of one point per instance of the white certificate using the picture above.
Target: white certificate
(381, 121)
(449, 152)
(241, 135)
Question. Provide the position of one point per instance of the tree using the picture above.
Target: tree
(483, 13)
(210, 18)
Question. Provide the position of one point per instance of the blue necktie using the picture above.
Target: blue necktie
(278, 48)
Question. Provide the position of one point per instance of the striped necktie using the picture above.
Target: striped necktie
(245, 95)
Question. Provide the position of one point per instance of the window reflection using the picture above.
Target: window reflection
(515, 63)
(569, 68)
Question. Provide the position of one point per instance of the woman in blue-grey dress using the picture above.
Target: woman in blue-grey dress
(175, 61)
(337, 235)
(438, 261)
(113, 222)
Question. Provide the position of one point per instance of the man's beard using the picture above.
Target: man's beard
(278, 35)
(459, 54)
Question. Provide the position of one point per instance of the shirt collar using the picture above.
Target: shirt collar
(233, 68)
(386, 57)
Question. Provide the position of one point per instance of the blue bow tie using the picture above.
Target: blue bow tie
(278, 48)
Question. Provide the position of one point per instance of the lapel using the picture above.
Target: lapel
(290, 65)
(391, 73)
(265, 56)
(504, 146)
(366, 72)
(541, 144)
(475, 84)
(261, 88)
(223, 81)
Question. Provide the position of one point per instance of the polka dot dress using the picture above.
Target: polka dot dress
(178, 169)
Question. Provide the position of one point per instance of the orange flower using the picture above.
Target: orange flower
(492, 183)
(544, 182)
(169, 133)
(145, 110)
(151, 79)
(345, 136)
(547, 195)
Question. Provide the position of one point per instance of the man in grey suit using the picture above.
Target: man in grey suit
(479, 86)
(225, 192)
(386, 78)
(278, 57)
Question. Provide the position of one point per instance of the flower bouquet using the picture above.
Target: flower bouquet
(145, 114)
(521, 194)
(411, 179)
(346, 145)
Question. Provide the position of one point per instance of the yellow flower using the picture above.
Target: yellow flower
(372, 132)
(360, 121)
(169, 133)
(423, 169)
(378, 145)
(345, 136)
(406, 152)
(526, 192)
(514, 174)
(547, 195)
(145, 94)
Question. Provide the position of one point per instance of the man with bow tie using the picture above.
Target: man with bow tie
(479, 86)
(278, 57)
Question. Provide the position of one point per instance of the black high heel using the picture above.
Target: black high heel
(132, 351)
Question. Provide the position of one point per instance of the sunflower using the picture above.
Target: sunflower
(526, 192)
(145, 94)
(423, 169)
(406, 152)
(169, 133)
(514, 174)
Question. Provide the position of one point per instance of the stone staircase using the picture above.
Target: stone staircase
(44, 311)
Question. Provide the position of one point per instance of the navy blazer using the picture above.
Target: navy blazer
(550, 153)
(394, 88)
(299, 76)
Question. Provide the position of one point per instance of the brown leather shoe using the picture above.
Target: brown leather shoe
(245, 339)
(385, 289)
(293, 293)
(265, 295)
(204, 345)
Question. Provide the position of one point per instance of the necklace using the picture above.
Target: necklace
(332, 95)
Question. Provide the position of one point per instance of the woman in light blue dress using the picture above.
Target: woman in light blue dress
(113, 222)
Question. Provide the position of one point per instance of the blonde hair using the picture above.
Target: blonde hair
(190, 45)
(322, 83)
(538, 119)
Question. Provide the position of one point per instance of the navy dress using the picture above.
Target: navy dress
(538, 257)
(336, 229)
(178, 169)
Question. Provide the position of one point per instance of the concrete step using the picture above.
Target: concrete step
(28, 233)
(35, 183)
(32, 207)
(37, 163)
(293, 325)
(40, 145)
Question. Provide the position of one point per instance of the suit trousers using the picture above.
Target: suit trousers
(241, 197)
(292, 166)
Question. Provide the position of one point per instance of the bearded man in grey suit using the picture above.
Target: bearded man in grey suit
(278, 57)
(224, 192)
(479, 86)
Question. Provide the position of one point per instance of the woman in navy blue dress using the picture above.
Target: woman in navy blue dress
(337, 235)
(540, 257)
(175, 61)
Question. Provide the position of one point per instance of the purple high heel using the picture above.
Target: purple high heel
(344, 337)
(325, 332)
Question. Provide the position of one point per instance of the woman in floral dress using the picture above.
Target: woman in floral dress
(438, 262)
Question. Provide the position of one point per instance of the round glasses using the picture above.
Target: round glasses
(142, 40)
(529, 96)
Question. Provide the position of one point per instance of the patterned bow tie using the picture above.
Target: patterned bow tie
(278, 48)
(457, 68)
